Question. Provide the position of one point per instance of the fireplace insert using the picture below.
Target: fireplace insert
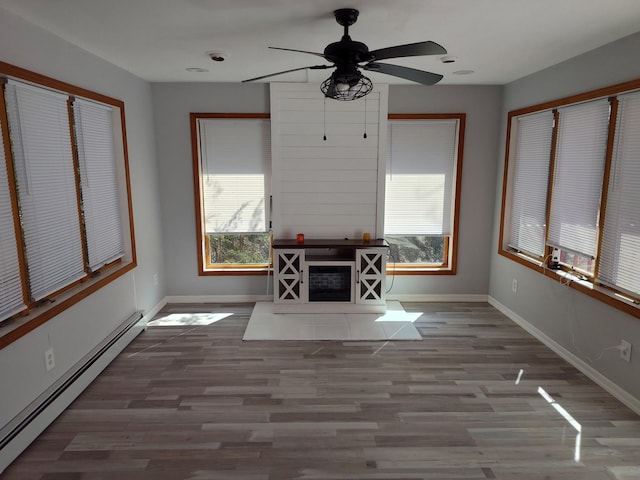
(329, 283)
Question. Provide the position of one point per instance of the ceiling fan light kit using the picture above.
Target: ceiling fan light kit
(346, 87)
(348, 56)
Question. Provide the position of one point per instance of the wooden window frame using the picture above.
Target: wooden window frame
(38, 313)
(449, 265)
(587, 284)
(205, 267)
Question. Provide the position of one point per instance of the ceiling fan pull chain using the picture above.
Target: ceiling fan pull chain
(365, 117)
(324, 120)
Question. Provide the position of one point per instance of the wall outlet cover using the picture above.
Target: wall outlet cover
(49, 361)
(625, 350)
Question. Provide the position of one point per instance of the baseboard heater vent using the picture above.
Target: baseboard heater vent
(77, 378)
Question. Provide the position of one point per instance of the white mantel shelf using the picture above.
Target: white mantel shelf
(328, 243)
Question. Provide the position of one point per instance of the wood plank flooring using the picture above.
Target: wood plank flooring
(466, 402)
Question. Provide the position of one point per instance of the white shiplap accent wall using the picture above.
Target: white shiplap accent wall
(332, 188)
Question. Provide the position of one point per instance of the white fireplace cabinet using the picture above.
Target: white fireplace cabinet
(329, 276)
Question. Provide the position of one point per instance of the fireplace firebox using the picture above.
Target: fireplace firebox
(329, 283)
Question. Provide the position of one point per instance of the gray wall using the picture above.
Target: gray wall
(584, 326)
(76, 331)
(482, 104)
(172, 104)
(174, 101)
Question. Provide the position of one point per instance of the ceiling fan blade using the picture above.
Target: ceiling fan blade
(408, 50)
(419, 76)
(314, 67)
(331, 59)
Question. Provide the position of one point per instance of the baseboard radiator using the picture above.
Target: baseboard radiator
(36, 417)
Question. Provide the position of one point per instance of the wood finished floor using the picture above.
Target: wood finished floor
(196, 402)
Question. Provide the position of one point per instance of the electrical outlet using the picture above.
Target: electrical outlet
(625, 351)
(155, 279)
(49, 360)
(514, 286)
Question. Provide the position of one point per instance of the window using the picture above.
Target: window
(12, 298)
(570, 198)
(576, 183)
(422, 191)
(64, 197)
(530, 180)
(232, 158)
(620, 251)
(99, 182)
(44, 171)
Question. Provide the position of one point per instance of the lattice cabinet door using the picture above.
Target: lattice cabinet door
(371, 267)
(288, 276)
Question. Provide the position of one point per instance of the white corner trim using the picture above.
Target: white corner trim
(154, 310)
(438, 298)
(614, 389)
(217, 298)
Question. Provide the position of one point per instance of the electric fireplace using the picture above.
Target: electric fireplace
(329, 283)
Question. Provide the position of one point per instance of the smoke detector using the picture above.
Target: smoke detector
(217, 56)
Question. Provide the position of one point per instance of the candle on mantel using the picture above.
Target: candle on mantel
(300, 238)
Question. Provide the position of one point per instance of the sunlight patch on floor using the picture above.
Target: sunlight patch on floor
(182, 319)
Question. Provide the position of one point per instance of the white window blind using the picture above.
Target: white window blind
(577, 178)
(534, 134)
(99, 182)
(11, 298)
(43, 161)
(420, 178)
(235, 165)
(620, 251)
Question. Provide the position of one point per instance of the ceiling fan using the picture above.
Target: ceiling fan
(348, 57)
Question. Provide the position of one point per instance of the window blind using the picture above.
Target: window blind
(45, 178)
(99, 182)
(234, 170)
(620, 251)
(421, 166)
(577, 177)
(11, 298)
(530, 182)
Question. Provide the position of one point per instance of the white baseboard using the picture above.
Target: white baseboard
(618, 392)
(438, 298)
(35, 418)
(217, 298)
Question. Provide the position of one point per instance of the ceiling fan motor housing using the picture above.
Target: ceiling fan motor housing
(347, 50)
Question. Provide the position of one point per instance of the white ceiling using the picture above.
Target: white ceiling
(501, 40)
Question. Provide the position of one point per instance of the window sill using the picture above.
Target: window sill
(15, 328)
(594, 290)
(610, 297)
(420, 271)
(231, 271)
